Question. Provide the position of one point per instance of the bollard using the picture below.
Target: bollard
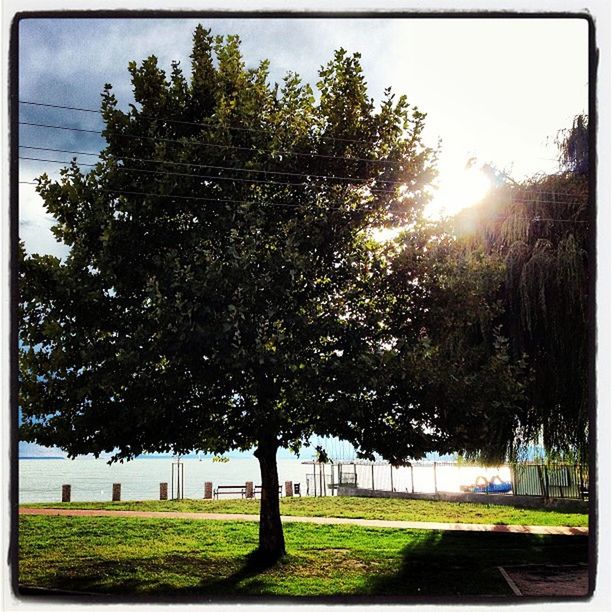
(163, 490)
(65, 493)
(117, 491)
(249, 492)
(288, 488)
(208, 490)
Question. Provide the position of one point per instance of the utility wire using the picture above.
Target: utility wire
(227, 200)
(224, 200)
(200, 176)
(553, 200)
(194, 123)
(194, 165)
(255, 181)
(209, 144)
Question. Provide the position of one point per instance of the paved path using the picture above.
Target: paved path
(319, 520)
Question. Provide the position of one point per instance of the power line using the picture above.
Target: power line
(201, 176)
(194, 165)
(252, 181)
(194, 123)
(281, 204)
(209, 144)
(224, 200)
(555, 199)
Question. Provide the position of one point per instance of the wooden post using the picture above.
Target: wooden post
(66, 489)
(117, 491)
(249, 489)
(163, 490)
(288, 488)
(208, 490)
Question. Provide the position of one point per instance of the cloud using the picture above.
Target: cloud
(497, 89)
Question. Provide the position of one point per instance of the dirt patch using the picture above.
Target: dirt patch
(548, 580)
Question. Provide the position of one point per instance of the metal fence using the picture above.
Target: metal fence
(532, 479)
(558, 480)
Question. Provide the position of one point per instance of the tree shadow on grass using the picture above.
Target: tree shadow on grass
(434, 564)
(454, 564)
(161, 576)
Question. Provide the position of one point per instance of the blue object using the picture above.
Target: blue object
(500, 487)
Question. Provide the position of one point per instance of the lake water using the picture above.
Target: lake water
(41, 480)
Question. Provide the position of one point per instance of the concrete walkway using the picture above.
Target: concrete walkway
(319, 520)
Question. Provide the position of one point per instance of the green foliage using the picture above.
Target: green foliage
(220, 459)
(222, 291)
(205, 291)
(541, 227)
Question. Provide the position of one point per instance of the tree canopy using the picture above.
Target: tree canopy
(222, 290)
(541, 227)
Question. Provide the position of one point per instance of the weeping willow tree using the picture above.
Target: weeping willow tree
(541, 229)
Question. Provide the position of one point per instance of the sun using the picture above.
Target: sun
(459, 186)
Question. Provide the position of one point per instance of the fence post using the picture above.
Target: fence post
(208, 490)
(288, 488)
(543, 486)
(66, 489)
(117, 491)
(249, 489)
(435, 479)
(163, 490)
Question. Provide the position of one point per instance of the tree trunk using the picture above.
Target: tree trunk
(271, 538)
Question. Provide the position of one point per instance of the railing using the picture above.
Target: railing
(531, 479)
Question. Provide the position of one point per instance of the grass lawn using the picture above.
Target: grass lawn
(209, 558)
(356, 507)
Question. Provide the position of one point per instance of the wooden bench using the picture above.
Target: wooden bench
(230, 490)
(257, 489)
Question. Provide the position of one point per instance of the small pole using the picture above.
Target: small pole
(435, 479)
(66, 490)
(391, 471)
(314, 477)
(412, 477)
(372, 477)
(355, 466)
(208, 490)
(322, 477)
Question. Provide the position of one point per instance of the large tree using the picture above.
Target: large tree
(541, 227)
(221, 289)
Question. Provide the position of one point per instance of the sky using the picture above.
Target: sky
(497, 90)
